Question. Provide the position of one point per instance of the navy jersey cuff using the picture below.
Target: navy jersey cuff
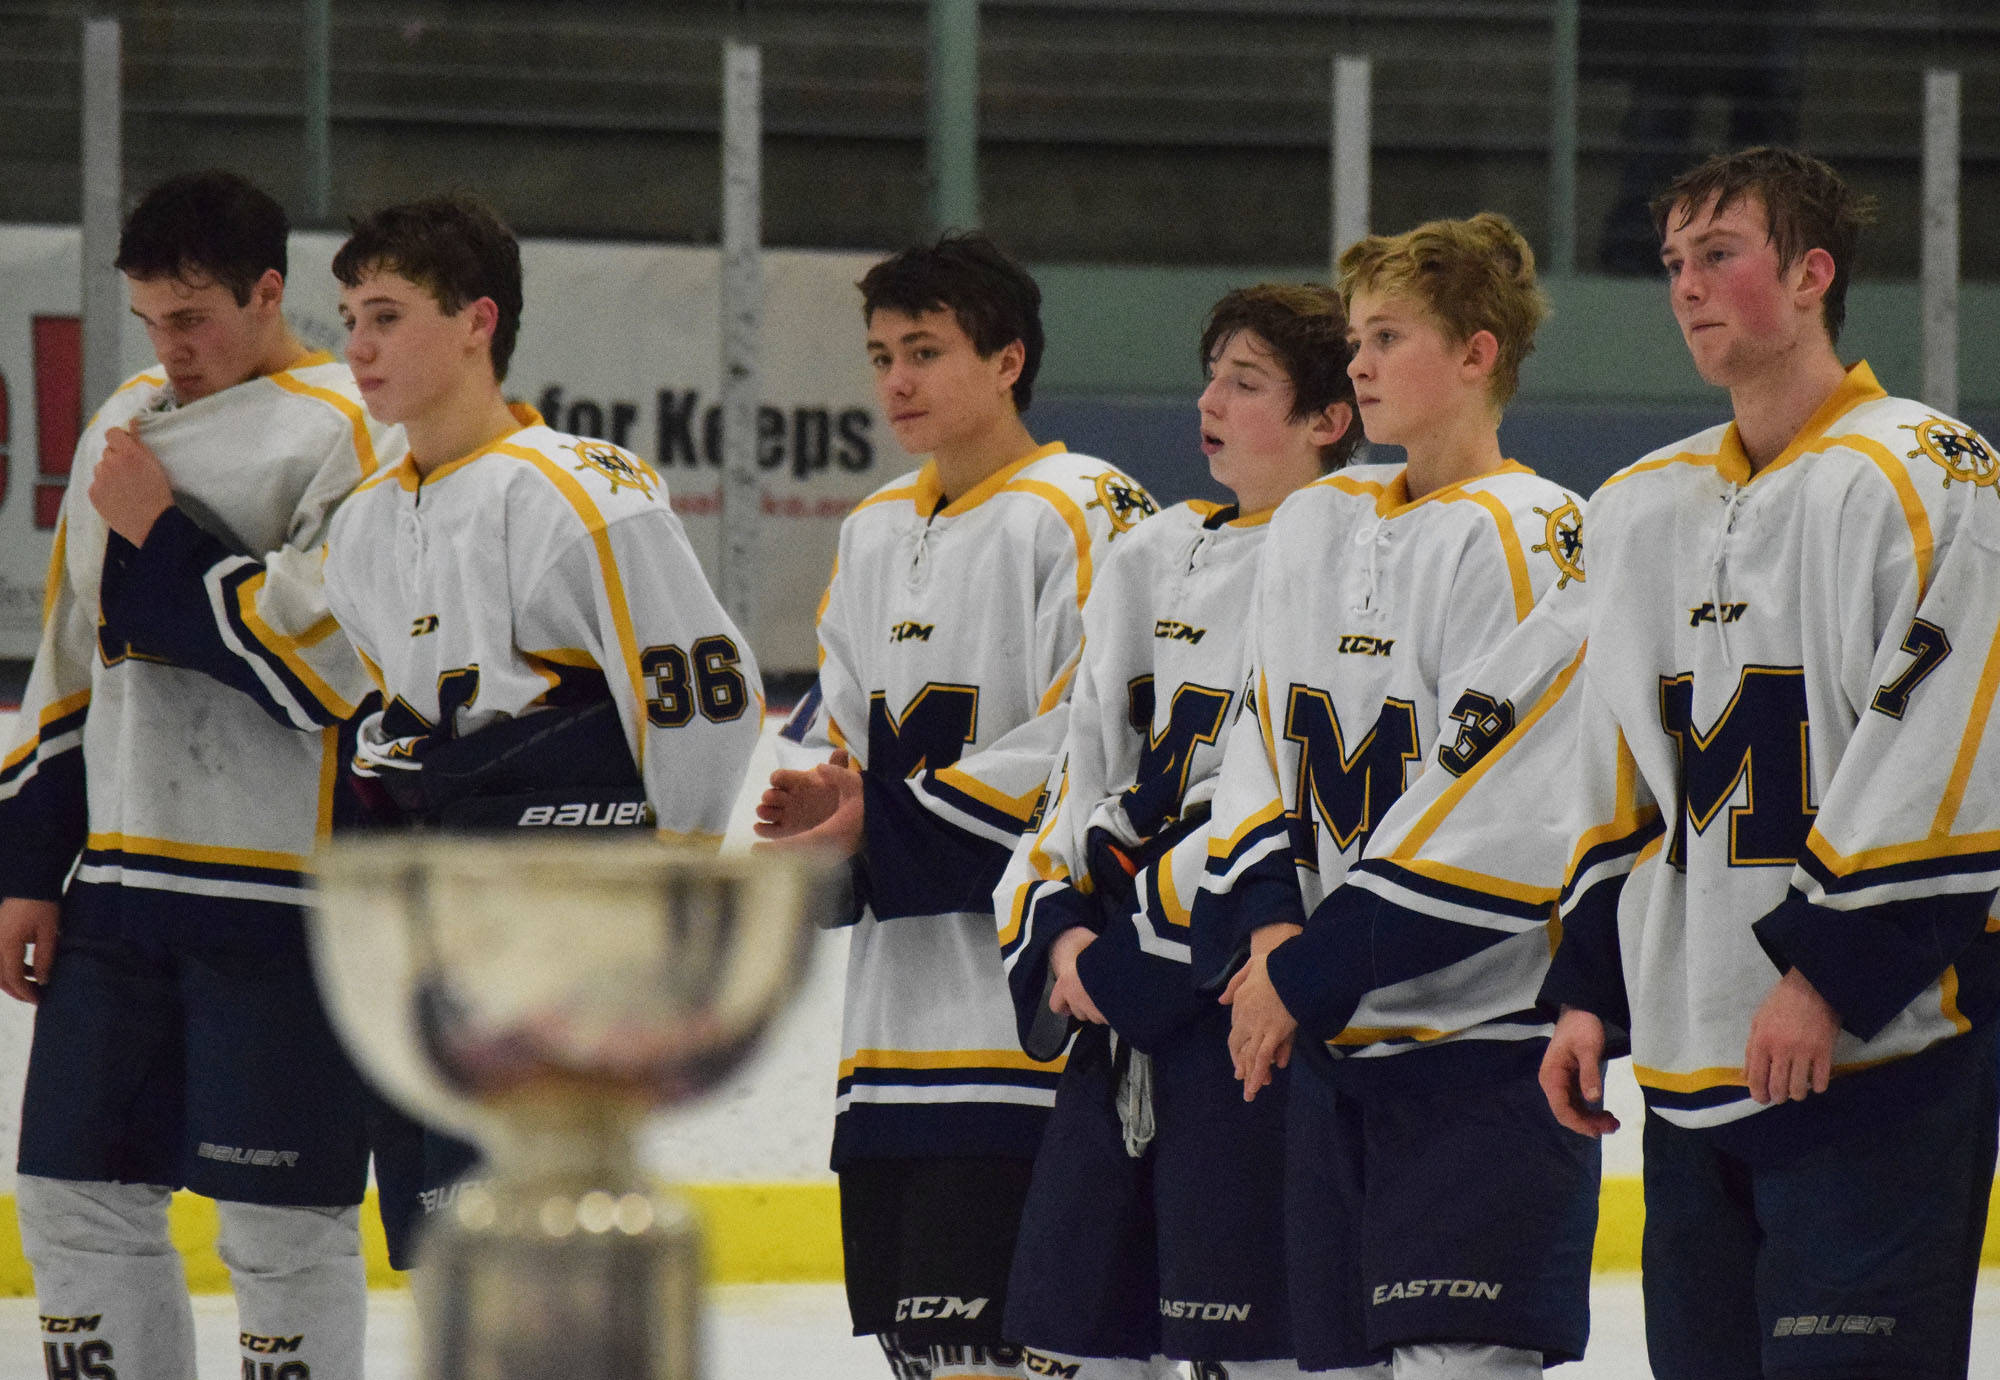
(1315, 972)
(1144, 997)
(1872, 962)
(1223, 923)
(917, 863)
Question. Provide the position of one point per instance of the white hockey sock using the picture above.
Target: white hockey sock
(977, 1363)
(1038, 1361)
(109, 1282)
(1280, 1370)
(301, 1289)
(1466, 1361)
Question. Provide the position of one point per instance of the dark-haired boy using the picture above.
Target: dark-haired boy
(948, 638)
(1772, 833)
(180, 1041)
(505, 568)
(1154, 1227)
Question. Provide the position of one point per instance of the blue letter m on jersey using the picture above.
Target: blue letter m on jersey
(1345, 791)
(1760, 740)
(931, 733)
(1153, 801)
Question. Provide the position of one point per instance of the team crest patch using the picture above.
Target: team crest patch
(1124, 502)
(1562, 538)
(1959, 451)
(624, 471)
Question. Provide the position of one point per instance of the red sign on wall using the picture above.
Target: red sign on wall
(58, 409)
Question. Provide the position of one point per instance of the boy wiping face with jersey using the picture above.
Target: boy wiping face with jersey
(157, 823)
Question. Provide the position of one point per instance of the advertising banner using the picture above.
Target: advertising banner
(617, 341)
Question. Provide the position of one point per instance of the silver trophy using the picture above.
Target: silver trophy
(542, 997)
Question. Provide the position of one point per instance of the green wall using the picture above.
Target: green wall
(1133, 331)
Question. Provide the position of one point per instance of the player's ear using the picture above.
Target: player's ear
(1011, 359)
(1481, 353)
(268, 292)
(1331, 423)
(1812, 275)
(482, 317)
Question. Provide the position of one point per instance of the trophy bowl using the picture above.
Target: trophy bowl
(541, 997)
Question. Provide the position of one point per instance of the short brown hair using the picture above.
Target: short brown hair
(1806, 206)
(1304, 325)
(1472, 275)
(212, 224)
(453, 247)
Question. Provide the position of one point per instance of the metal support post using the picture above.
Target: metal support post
(103, 294)
(1940, 239)
(319, 110)
(952, 138)
(1352, 141)
(742, 312)
(1562, 142)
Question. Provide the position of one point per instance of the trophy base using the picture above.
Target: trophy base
(524, 1281)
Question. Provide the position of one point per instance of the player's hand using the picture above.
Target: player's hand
(129, 487)
(820, 808)
(26, 924)
(1265, 938)
(1573, 1074)
(1067, 997)
(1790, 1051)
(1260, 1028)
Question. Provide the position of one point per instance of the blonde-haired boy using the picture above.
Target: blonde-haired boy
(1382, 591)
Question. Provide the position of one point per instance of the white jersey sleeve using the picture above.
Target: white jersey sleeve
(633, 598)
(256, 618)
(42, 805)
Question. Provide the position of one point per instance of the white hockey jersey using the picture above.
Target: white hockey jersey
(1159, 681)
(1776, 750)
(193, 790)
(1371, 614)
(545, 569)
(948, 638)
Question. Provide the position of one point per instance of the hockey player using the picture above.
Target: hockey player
(179, 1041)
(1154, 1225)
(1764, 797)
(506, 571)
(948, 638)
(1381, 592)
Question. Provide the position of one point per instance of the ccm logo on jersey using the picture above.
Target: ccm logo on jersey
(1361, 644)
(594, 814)
(1431, 1288)
(1708, 613)
(231, 1154)
(1853, 1324)
(1039, 1364)
(427, 624)
(1178, 632)
(912, 632)
(87, 1323)
(1194, 1311)
(938, 1306)
(268, 1346)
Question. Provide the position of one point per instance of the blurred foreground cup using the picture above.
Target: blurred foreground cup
(542, 997)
